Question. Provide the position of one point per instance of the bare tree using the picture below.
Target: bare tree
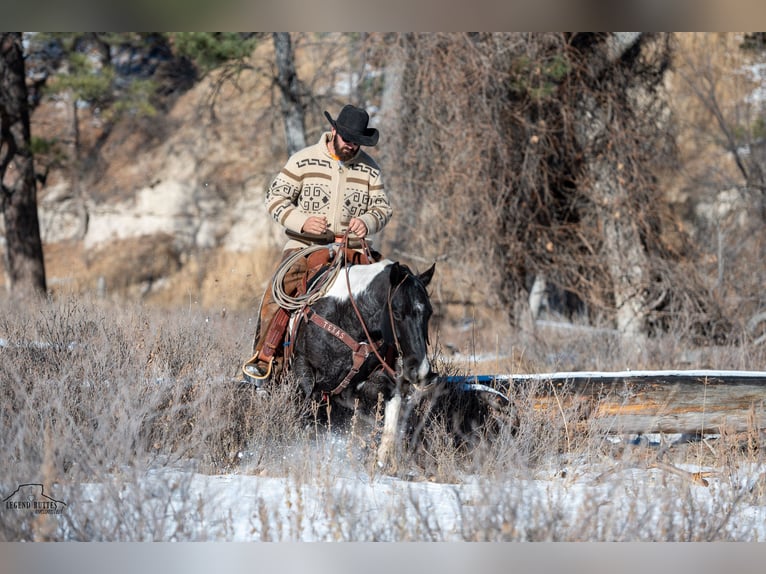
(610, 115)
(721, 115)
(23, 245)
(533, 156)
(290, 90)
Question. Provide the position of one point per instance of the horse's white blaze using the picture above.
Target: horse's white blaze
(424, 369)
(359, 276)
(390, 423)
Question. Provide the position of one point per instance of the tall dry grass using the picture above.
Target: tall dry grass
(117, 409)
(93, 390)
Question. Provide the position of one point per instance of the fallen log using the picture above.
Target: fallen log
(688, 402)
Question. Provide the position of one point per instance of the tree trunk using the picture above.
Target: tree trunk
(684, 401)
(600, 120)
(289, 87)
(23, 245)
(623, 251)
(394, 115)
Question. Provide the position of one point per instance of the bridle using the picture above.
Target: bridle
(389, 298)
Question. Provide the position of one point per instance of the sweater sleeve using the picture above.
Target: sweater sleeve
(282, 195)
(379, 211)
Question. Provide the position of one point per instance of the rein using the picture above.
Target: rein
(383, 363)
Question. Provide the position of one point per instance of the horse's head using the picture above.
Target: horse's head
(409, 311)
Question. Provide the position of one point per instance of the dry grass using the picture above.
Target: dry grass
(117, 407)
(92, 389)
(157, 274)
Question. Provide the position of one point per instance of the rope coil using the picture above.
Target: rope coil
(317, 290)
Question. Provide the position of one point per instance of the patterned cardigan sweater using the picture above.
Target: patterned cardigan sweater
(312, 182)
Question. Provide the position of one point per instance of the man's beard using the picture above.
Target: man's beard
(343, 154)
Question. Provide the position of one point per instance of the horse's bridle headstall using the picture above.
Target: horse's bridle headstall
(388, 368)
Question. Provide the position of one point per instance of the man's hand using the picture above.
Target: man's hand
(357, 227)
(315, 225)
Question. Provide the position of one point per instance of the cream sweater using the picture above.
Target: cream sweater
(313, 183)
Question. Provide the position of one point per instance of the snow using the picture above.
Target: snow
(327, 492)
(757, 73)
(339, 500)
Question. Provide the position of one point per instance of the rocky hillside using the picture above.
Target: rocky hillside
(174, 209)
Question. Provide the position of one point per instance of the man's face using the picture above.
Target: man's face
(343, 149)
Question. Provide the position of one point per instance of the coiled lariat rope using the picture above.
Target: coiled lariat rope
(317, 290)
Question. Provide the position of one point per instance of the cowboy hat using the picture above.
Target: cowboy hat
(352, 126)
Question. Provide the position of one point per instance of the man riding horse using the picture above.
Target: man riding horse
(325, 192)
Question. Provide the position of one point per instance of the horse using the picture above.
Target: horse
(366, 336)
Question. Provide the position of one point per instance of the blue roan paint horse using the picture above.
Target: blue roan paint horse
(368, 335)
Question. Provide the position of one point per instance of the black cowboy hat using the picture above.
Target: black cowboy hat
(352, 126)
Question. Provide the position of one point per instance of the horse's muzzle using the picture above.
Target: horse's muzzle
(414, 371)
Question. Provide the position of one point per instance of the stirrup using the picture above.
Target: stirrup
(252, 370)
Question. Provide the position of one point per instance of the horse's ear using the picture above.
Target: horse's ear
(427, 275)
(397, 273)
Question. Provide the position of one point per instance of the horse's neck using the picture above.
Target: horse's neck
(364, 294)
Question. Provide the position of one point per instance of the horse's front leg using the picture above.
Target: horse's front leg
(304, 375)
(388, 441)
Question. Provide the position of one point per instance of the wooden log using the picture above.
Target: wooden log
(689, 402)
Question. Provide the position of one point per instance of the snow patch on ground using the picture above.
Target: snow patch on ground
(339, 502)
